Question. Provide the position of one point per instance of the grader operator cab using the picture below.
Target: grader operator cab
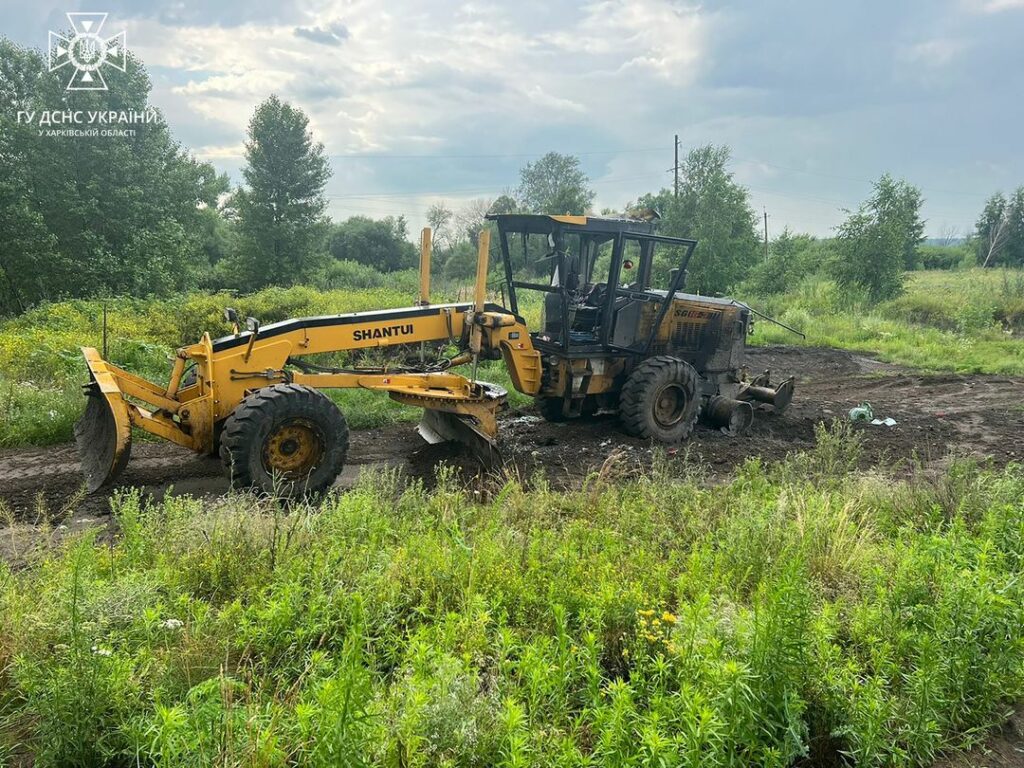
(616, 333)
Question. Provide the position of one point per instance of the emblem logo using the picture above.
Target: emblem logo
(87, 52)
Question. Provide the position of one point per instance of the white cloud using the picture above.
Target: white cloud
(658, 36)
(935, 53)
(213, 153)
(805, 85)
(993, 6)
(409, 72)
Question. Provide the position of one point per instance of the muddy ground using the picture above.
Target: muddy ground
(936, 415)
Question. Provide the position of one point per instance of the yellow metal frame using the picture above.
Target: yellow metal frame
(188, 415)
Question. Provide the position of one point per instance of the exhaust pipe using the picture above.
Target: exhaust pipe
(733, 416)
(779, 397)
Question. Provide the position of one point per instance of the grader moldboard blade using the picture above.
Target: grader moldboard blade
(439, 426)
(104, 433)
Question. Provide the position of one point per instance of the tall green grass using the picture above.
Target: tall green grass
(969, 321)
(797, 611)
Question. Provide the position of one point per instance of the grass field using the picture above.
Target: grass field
(804, 609)
(968, 321)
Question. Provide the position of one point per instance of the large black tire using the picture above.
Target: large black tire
(285, 440)
(550, 408)
(659, 400)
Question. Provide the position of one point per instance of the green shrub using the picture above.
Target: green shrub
(31, 415)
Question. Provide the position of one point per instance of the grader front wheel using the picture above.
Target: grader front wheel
(286, 440)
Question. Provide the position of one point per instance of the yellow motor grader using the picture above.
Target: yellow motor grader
(616, 332)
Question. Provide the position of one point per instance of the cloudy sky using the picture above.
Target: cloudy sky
(445, 100)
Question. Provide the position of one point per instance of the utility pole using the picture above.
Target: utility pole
(675, 166)
(765, 233)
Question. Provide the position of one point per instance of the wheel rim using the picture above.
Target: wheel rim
(670, 405)
(293, 449)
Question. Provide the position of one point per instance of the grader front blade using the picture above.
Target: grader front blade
(104, 433)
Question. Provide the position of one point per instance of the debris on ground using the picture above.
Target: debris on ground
(862, 412)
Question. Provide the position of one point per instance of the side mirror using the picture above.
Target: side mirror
(231, 315)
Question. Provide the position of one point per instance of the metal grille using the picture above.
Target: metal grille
(686, 334)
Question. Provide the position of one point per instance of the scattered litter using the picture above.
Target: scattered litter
(606, 443)
(888, 421)
(862, 412)
(525, 419)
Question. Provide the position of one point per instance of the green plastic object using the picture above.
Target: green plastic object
(862, 412)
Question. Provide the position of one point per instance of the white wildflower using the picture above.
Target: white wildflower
(172, 624)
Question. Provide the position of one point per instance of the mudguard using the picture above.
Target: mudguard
(104, 433)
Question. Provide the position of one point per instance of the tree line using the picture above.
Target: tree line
(90, 216)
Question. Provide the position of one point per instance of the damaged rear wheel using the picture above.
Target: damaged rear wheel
(659, 400)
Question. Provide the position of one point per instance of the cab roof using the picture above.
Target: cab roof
(532, 223)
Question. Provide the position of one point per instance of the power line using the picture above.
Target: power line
(477, 190)
(428, 156)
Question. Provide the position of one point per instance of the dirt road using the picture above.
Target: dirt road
(936, 414)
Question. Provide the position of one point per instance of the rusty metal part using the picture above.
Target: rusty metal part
(779, 397)
(670, 404)
(469, 421)
(293, 449)
(733, 416)
(103, 437)
(441, 426)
